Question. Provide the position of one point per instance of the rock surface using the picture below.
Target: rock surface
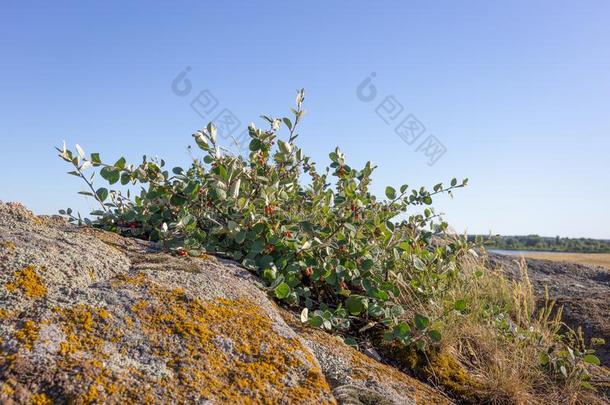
(92, 317)
(583, 291)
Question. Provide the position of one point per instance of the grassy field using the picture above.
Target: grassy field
(597, 259)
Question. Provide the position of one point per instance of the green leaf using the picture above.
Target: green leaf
(355, 304)
(269, 275)
(120, 164)
(316, 321)
(95, 158)
(404, 245)
(591, 359)
(282, 290)
(375, 310)
(257, 246)
(222, 171)
(125, 178)
(380, 295)
(543, 359)
(421, 321)
(587, 385)
(434, 335)
(460, 305)
(221, 194)
(390, 226)
(350, 341)
(390, 192)
(110, 174)
(367, 264)
(177, 200)
(102, 193)
(240, 237)
(255, 145)
(397, 311)
(402, 330)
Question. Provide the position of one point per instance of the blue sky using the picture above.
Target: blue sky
(517, 92)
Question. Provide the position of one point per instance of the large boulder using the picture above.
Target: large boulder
(91, 317)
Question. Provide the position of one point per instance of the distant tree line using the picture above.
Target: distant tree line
(544, 243)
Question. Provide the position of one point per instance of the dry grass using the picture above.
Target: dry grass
(595, 259)
(501, 366)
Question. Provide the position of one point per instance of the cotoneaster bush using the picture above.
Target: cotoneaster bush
(324, 243)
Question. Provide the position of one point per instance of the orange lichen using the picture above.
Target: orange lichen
(3, 313)
(28, 282)
(7, 244)
(223, 350)
(40, 399)
(102, 313)
(218, 359)
(91, 396)
(123, 279)
(28, 334)
(6, 389)
(82, 326)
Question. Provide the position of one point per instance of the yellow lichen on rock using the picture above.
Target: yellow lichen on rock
(40, 399)
(6, 389)
(28, 282)
(7, 244)
(223, 350)
(28, 334)
(85, 328)
(229, 351)
(91, 396)
(122, 279)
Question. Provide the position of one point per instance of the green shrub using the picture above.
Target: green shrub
(325, 244)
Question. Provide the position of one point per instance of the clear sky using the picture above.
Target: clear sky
(518, 92)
